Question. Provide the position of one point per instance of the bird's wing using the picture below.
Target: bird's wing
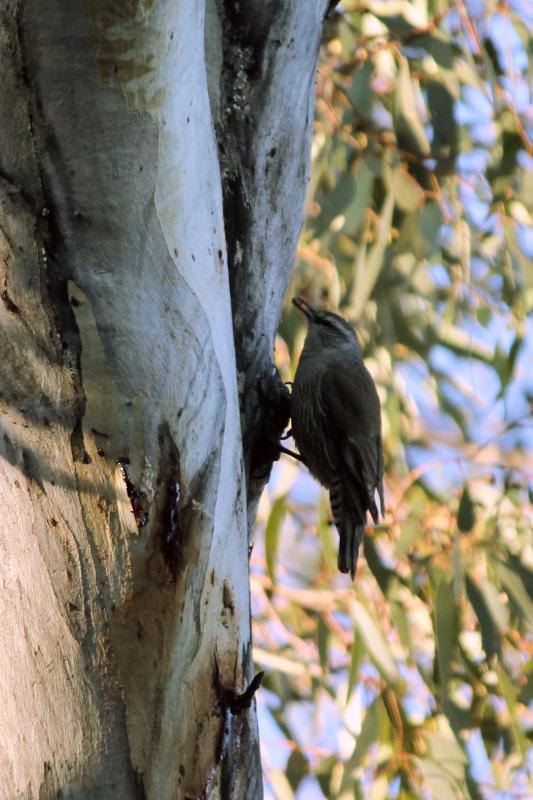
(352, 417)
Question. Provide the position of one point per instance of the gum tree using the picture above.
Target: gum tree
(153, 164)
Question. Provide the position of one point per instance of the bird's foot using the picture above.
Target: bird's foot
(275, 400)
(288, 452)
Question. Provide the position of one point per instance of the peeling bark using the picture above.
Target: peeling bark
(143, 261)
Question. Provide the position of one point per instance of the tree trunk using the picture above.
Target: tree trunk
(153, 164)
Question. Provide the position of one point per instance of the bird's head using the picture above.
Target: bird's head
(326, 329)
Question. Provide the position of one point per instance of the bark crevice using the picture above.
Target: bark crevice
(261, 74)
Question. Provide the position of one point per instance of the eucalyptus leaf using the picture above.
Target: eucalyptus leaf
(446, 629)
(407, 119)
(490, 613)
(513, 584)
(439, 46)
(375, 644)
(370, 262)
(323, 635)
(360, 92)
(466, 516)
(272, 532)
(445, 131)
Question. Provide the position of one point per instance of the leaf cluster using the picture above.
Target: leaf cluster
(417, 682)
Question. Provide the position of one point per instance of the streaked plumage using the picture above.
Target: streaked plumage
(336, 423)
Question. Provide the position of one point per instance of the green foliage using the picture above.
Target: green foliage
(465, 515)
(419, 201)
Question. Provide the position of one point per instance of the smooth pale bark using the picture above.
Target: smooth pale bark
(125, 487)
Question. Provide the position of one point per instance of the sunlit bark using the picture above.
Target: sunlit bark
(124, 400)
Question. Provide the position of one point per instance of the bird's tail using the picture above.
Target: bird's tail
(349, 542)
(350, 524)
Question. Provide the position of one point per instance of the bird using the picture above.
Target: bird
(336, 425)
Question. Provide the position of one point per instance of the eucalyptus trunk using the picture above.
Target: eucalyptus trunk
(153, 165)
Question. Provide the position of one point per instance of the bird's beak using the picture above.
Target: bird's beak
(305, 307)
